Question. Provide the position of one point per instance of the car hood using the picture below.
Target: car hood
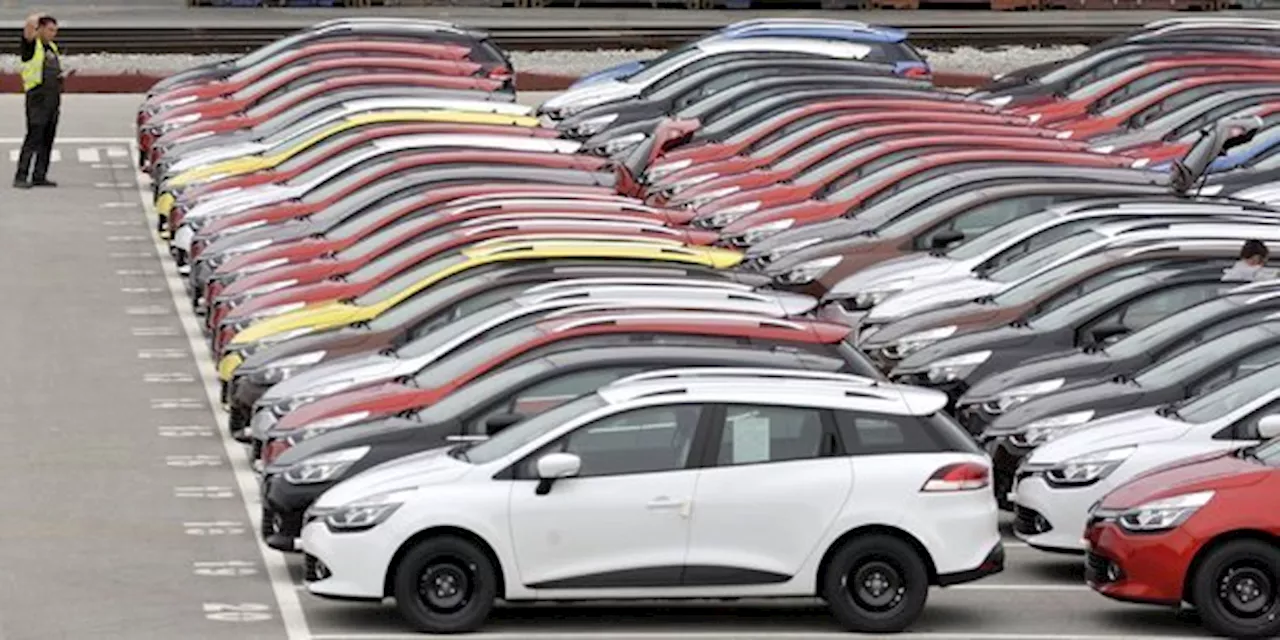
(1075, 365)
(780, 245)
(340, 375)
(216, 154)
(1120, 430)
(1104, 398)
(432, 467)
(591, 95)
(915, 268)
(967, 318)
(1006, 337)
(924, 296)
(242, 200)
(1216, 471)
(275, 233)
(611, 73)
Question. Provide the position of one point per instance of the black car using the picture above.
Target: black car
(1098, 318)
(432, 308)
(675, 93)
(1195, 371)
(539, 381)
(997, 394)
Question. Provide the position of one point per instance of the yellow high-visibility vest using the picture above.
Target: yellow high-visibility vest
(33, 69)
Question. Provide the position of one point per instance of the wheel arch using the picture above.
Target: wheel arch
(875, 529)
(389, 581)
(1225, 538)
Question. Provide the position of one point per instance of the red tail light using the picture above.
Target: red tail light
(916, 72)
(500, 73)
(963, 476)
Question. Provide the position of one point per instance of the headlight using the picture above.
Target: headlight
(999, 102)
(592, 126)
(286, 367)
(277, 310)
(759, 232)
(1041, 431)
(618, 145)
(324, 467)
(913, 342)
(366, 513)
(662, 170)
(807, 272)
(703, 199)
(958, 367)
(263, 289)
(1164, 514)
(1089, 468)
(872, 297)
(277, 338)
(727, 215)
(1014, 396)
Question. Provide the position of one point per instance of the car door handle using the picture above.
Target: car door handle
(665, 503)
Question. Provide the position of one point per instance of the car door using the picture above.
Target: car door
(772, 485)
(623, 521)
(1143, 310)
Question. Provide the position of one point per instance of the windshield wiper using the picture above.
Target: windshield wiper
(1170, 411)
(460, 452)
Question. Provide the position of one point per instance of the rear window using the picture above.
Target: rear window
(869, 434)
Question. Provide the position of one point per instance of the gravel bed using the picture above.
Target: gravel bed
(963, 59)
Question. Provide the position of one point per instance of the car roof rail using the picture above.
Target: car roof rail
(691, 316)
(745, 372)
(648, 293)
(511, 244)
(497, 223)
(1259, 285)
(1227, 20)
(707, 283)
(1228, 244)
(474, 203)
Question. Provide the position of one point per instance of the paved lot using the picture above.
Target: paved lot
(127, 516)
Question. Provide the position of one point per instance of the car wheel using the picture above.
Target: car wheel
(445, 585)
(876, 584)
(1236, 587)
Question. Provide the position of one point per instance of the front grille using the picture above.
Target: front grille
(314, 569)
(1029, 521)
(1101, 570)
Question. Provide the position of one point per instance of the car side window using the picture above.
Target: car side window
(465, 307)
(1036, 242)
(987, 216)
(868, 434)
(1144, 310)
(1213, 332)
(1141, 85)
(752, 434)
(1247, 427)
(646, 440)
(1246, 366)
(720, 83)
(1091, 284)
(550, 393)
(707, 63)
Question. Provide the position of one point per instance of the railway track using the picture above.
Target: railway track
(229, 40)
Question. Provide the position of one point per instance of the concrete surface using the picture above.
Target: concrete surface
(120, 481)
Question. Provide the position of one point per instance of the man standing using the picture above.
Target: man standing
(42, 83)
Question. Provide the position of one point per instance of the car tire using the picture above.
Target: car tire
(445, 585)
(1236, 590)
(893, 579)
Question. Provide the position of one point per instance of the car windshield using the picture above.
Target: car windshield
(1031, 262)
(776, 138)
(429, 269)
(1268, 453)
(402, 251)
(359, 156)
(367, 245)
(372, 170)
(1162, 331)
(999, 236)
(321, 149)
(825, 154)
(1226, 400)
(1088, 304)
(475, 320)
(1051, 280)
(463, 365)
(263, 108)
(286, 132)
(435, 302)
(662, 65)
(272, 50)
(513, 438)
(1174, 369)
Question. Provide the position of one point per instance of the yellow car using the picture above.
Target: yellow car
(366, 307)
(287, 149)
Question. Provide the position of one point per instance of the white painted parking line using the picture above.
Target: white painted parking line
(168, 378)
(225, 569)
(153, 332)
(214, 528)
(117, 152)
(112, 165)
(164, 404)
(54, 156)
(204, 493)
(185, 431)
(121, 223)
(199, 460)
(162, 354)
(150, 310)
(288, 604)
(125, 255)
(88, 155)
(136, 272)
(118, 205)
(113, 185)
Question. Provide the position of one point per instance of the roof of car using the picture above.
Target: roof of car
(779, 386)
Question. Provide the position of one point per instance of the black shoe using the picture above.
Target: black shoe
(43, 183)
(19, 183)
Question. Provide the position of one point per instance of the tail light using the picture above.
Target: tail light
(501, 73)
(963, 476)
(916, 72)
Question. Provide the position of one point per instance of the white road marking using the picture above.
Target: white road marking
(117, 152)
(151, 310)
(55, 156)
(163, 404)
(287, 602)
(88, 155)
(118, 205)
(126, 238)
(185, 431)
(123, 255)
(199, 460)
(113, 185)
(112, 165)
(136, 272)
(225, 569)
(162, 354)
(153, 332)
(141, 290)
(168, 378)
(121, 223)
(215, 528)
(204, 493)
(243, 612)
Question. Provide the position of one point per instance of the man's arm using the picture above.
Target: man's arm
(28, 48)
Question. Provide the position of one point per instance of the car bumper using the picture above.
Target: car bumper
(1148, 568)
(283, 508)
(992, 564)
(1053, 519)
(346, 565)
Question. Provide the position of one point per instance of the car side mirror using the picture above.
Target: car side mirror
(1107, 333)
(556, 466)
(944, 239)
(1269, 427)
(501, 421)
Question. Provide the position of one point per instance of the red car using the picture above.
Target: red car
(1203, 531)
(496, 198)
(1138, 110)
(441, 378)
(241, 294)
(372, 86)
(447, 75)
(1166, 150)
(828, 129)
(360, 181)
(287, 61)
(670, 160)
(343, 142)
(403, 263)
(813, 171)
(1108, 92)
(843, 201)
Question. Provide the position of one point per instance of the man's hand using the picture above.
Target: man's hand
(29, 29)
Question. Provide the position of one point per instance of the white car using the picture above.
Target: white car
(685, 61)
(696, 483)
(331, 172)
(1062, 479)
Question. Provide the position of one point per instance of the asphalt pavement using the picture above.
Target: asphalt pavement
(128, 515)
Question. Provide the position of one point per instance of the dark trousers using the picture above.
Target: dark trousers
(42, 127)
